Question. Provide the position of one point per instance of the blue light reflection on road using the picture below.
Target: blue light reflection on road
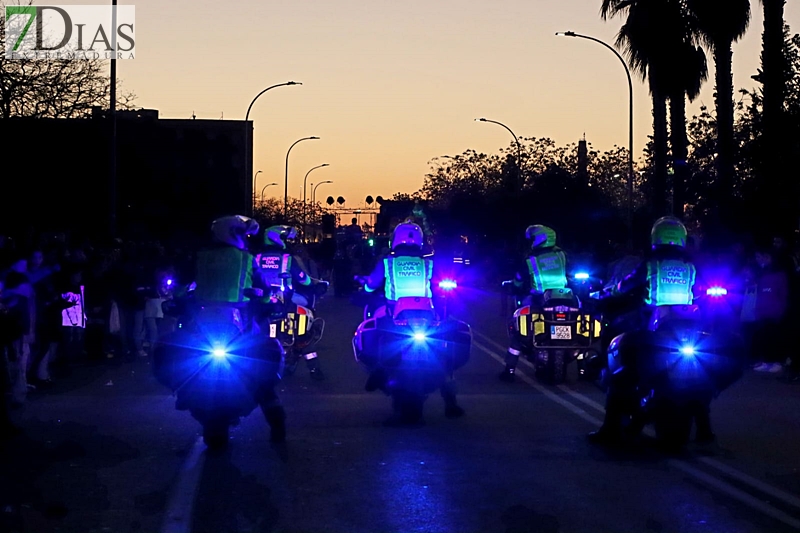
(415, 495)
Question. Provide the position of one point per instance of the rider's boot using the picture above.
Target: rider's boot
(276, 418)
(611, 433)
(702, 419)
(313, 366)
(451, 407)
(512, 358)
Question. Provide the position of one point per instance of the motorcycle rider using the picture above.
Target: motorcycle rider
(277, 268)
(223, 273)
(406, 272)
(545, 268)
(668, 260)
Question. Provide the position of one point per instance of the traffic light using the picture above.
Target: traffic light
(371, 242)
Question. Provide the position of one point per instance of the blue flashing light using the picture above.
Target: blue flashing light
(447, 284)
(687, 351)
(582, 275)
(219, 353)
(419, 336)
(717, 291)
(169, 282)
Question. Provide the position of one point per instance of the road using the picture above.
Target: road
(106, 451)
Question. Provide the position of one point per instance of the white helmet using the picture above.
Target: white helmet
(233, 230)
(409, 234)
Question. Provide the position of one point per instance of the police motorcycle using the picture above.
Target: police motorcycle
(563, 327)
(280, 314)
(217, 363)
(682, 360)
(296, 326)
(417, 346)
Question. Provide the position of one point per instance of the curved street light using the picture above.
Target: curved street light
(630, 120)
(265, 188)
(519, 146)
(255, 176)
(249, 131)
(305, 207)
(286, 178)
(314, 190)
(247, 116)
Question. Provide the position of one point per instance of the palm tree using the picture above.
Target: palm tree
(772, 76)
(688, 70)
(722, 23)
(654, 38)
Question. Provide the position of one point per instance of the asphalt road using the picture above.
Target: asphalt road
(107, 452)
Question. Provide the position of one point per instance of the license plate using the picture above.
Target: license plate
(273, 331)
(561, 332)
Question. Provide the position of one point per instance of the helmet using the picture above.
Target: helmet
(407, 233)
(668, 231)
(233, 230)
(278, 235)
(541, 236)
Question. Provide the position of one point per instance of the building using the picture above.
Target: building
(173, 176)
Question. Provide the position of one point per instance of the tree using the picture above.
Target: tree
(646, 41)
(687, 70)
(44, 88)
(722, 23)
(773, 78)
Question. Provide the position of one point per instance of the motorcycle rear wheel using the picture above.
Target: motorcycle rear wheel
(216, 434)
(554, 370)
(673, 426)
(408, 406)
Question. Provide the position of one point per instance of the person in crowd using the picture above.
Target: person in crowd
(771, 306)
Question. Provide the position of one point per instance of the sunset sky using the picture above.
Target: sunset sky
(389, 85)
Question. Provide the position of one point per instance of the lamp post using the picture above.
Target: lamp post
(265, 188)
(314, 191)
(250, 131)
(255, 176)
(519, 146)
(630, 121)
(304, 195)
(286, 178)
(112, 108)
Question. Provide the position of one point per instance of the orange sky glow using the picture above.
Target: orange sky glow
(390, 85)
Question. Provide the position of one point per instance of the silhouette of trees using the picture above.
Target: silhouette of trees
(54, 88)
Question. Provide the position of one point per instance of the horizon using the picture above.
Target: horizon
(390, 87)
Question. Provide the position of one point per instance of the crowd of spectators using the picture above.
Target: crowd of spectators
(68, 303)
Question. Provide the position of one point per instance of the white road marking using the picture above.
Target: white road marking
(180, 508)
(722, 486)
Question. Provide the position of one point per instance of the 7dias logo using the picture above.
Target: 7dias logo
(70, 32)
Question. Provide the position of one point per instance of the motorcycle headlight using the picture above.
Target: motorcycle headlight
(582, 276)
(219, 353)
(420, 336)
(687, 350)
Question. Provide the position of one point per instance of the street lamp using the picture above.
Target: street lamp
(314, 191)
(247, 117)
(265, 188)
(286, 178)
(630, 121)
(304, 195)
(255, 176)
(519, 146)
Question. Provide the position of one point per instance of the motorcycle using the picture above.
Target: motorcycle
(559, 329)
(294, 325)
(676, 366)
(218, 366)
(416, 346)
